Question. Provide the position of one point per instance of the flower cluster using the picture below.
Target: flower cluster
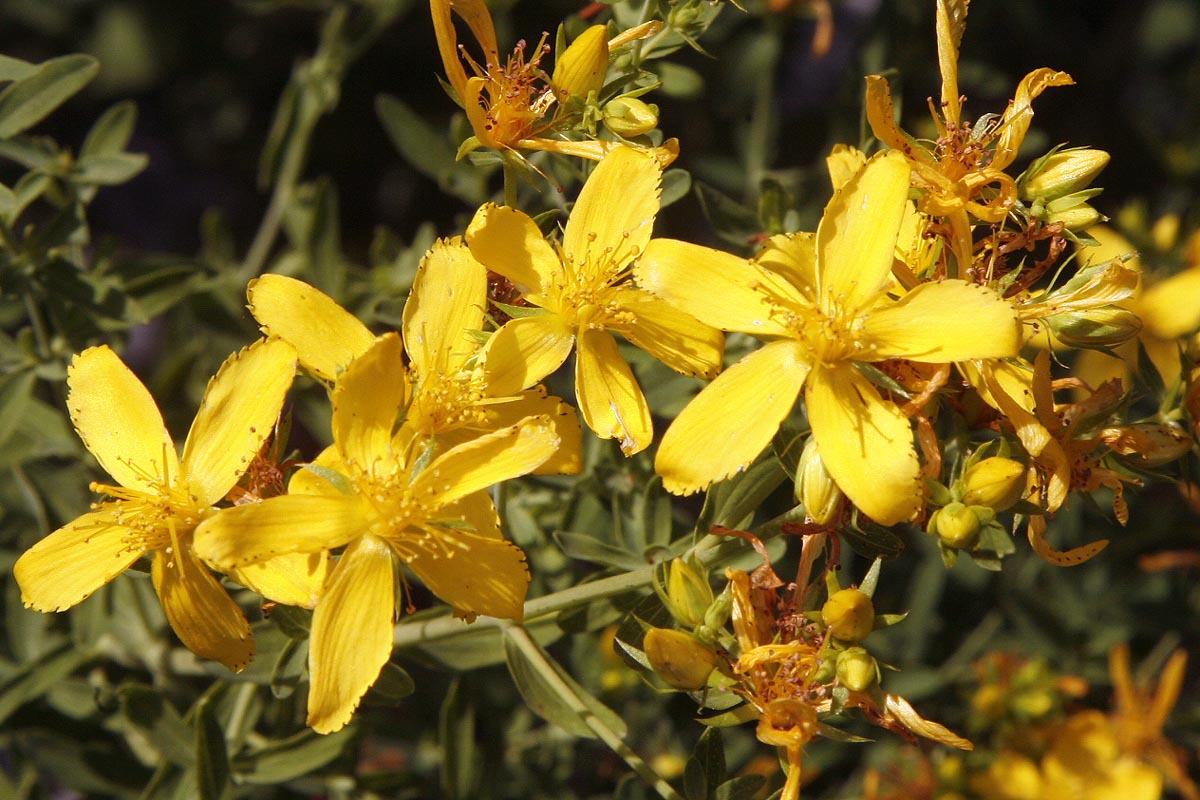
(898, 362)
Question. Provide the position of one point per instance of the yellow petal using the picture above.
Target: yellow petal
(476, 107)
(508, 242)
(1036, 533)
(294, 579)
(293, 523)
(857, 234)
(486, 460)
(326, 336)
(843, 163)
(567, 460)
(366, 401)
(732, 420)
(351, 633)
(524, 351)
(1110, 245)
(610, 400)
(951, 20)
(900, 708)
(445, 309)
(866, 444)
(119, 422)
(1015, 379)
(792, 256)
(677, 339)
(478, 512)
(1164, 355)
(1019, 114)
(1171, 308)
(237, 414)
(614, 214)
(947, 321)
(479, 21)
(595, 149)
(474, 574)
(201, 612)
(719, 289)
(64, 568)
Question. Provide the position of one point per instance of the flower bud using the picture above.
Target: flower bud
(994, 482)
(958, 526)
(1076, 219)
(816, 489)
(1095, 327)
(629, 116)
(584, 64)
(678, 658)
(1063, 173)
(856, 669)
(849, 615)
(688, 592)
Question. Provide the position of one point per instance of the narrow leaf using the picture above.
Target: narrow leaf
(29, 100)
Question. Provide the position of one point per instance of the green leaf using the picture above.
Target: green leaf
(109, 170)
(110, 133)
(705, 770)
(164, 729)
(872, 541)
(14, 69)
(733, 222)
(392, 686)
(289, 668)
(548, 691)
(744, 787)
(588, 548)
(740, 496)
(34, 679)
(27, 101)
(676, 183)
(8, 200)
(16, 392)
(285, 759)
(461, 762)
(212, 759)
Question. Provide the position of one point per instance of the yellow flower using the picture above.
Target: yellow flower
(963, 175)
(161, 497)
(823, 302)
(1169, 309)
(584, 293)
(384, 495)
(510, 104)
(443, 317)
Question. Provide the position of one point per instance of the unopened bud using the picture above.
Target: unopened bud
(1095, 327)
(584, 64)
(1063, 173)
(688, 592)
(856, 669)
(994, 482)
(816, 489)
(678, 658)
(629, 116)
(849, 615)
(958, 526)
(1076, 219)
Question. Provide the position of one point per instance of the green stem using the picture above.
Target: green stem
(511, 179)
(550, 678)
(281, 196)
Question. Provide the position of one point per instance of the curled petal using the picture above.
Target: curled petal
(201, 612)
(902, 710)
(1019, 114)
(351, 633)
(1061, 558)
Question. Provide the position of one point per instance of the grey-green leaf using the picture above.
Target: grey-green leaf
(27, 101)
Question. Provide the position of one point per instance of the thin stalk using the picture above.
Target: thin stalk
(550, 677)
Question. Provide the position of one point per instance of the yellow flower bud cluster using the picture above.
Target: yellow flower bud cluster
(1056, 186)
(969, 507)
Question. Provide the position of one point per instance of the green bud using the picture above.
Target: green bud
(1063, 173)
(718, 612)
(856, 669)
(816, 489)
(678, 658)
(1076, 219)
(994, 482)
(629, 116)
(826, 671)
(1095, 327)
(958, 526)
(849, 615)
